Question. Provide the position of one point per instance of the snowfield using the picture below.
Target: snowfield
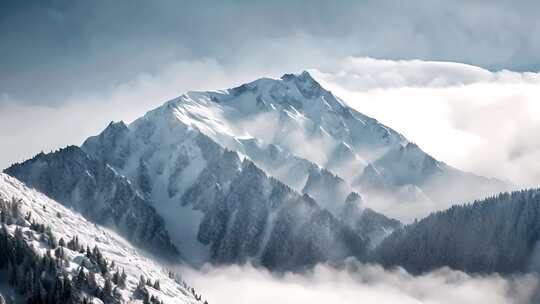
(292, 128)
(66, 224)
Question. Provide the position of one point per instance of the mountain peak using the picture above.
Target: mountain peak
(119, 124)
(303, 76)
(305, 83)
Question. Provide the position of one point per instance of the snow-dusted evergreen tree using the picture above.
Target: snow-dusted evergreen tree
(40, 271)
(42, 279)
(499, 234)
(97, 191)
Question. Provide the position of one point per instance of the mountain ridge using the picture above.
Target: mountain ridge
(296, 117)
(217, 219)
(92, 264)
(294, 147)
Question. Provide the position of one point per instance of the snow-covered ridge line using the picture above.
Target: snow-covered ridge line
(67, 224)
(186, 159)
(282, 123)
(219, 206)
(99, 193)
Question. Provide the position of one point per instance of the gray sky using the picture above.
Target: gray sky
(52, 50)
(67, 68)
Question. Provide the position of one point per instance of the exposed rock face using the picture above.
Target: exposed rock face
(242, 213)
(97, 191)
(238, 213)
(366, 221)
(265, 172)
(290, 126)
(53, 254)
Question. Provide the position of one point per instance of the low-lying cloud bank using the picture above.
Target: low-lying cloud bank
(477, 120)
(358, 283)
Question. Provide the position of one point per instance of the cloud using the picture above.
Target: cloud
(469, 117)
(54, 50)
(357, 283)
(361, 73)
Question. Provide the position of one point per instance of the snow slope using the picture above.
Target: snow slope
(292, 127)
(228, 211)
(66, 224)
(224, 173)
(201, 190)
(98, 192)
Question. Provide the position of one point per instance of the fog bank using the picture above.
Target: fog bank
(357, 283)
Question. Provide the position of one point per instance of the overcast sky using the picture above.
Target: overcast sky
(67, 68)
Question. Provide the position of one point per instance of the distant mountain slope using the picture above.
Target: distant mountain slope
(37, 228)
(293, 128)
(215, 206)
(500, 234)
(102, 195)
(220, 176)
(219, 207)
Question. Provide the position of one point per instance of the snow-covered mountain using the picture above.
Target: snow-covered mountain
(51, 252)
(277, 171)
(216, 207)
(299, 133)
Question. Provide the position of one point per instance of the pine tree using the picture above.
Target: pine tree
(59, 253)
(123, 279)
(88, 253)
(67, 289)
(142, 283)
(51, 240)
(81, 277)
(15, 208)
(116, 278)
(107, 287)
(146, 298)
(92, 283)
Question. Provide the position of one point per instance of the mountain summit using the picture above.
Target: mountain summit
(293, 128)
(279, 172)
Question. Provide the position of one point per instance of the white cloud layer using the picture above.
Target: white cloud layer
(357, 283)
(480, 121)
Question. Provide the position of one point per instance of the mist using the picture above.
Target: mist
(471, 118)
(355, 283)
